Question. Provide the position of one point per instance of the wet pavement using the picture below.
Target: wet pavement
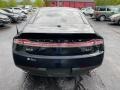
(106, 77)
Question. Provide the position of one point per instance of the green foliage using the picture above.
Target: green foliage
(7, 3)
(3, 3)
(39, 3)
(12, 3)
(47, 3)
(26, 2)
(107, 2)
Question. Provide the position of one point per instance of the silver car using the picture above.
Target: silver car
(115, 18)
(4, 20)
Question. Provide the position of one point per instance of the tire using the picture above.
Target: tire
(11, 20)
(102, 18)
(23, 12)
(1, 24)
(91, 15)
(97, 19)
(118, 22)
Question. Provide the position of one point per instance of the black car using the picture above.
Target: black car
(13, 17)
(58, 42)
(4, 20)
(22, 15)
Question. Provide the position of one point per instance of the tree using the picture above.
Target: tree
(39, 3)
(27, 2)
(47, 3)
(12, 3)
(3, 3)
(107, 2)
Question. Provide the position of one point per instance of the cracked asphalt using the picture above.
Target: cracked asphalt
(106, 77)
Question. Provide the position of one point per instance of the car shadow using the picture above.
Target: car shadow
(113, 24)
(5, 27)
(39, 83)
(84, 82)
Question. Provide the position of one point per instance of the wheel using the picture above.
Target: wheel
(102, 18)
(91, 15)
(23, 12)
(11, 20)
(119, 22)
(97, 19)
(1, 24)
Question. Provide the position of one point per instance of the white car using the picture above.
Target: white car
(18, 10)
(88, 11)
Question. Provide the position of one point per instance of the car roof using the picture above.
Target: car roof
(108, 6)
(58, 20)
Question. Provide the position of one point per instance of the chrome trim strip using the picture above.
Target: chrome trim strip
(61, 57)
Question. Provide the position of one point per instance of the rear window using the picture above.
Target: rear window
(100, 9)
(17, 8)
(54, 17)
(108, 9)
(7, 10)
(2, 11)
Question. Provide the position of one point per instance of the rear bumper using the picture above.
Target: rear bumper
(69, 72)
(75, 65)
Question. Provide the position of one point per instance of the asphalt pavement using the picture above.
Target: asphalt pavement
(106, 77)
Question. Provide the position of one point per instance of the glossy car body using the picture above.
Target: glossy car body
(115, 18)
(58, 42)
(4, 20)
(103, 13)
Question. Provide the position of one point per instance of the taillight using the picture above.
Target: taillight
(98, 41)
(97, 13)
(27, 42)
(21, 41)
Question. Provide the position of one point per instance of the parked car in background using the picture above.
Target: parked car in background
(103, 13)
(28, 8)
(18, 10)
(22, 15)
(115, 18)
(60, 42)
(4, 20)
(88, 11)
(12, 17)
(35, 8)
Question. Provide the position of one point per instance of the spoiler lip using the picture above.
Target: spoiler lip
(58, 36)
